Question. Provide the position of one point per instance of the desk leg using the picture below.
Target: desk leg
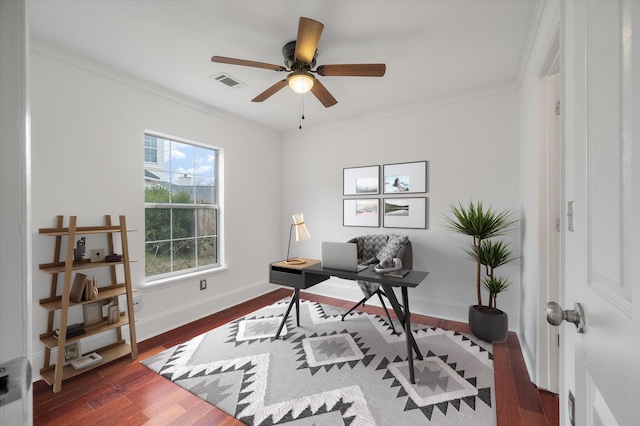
(297, 307)
(294, 300)
(388, 290)
(407, 330)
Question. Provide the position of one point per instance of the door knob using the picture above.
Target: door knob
(555, 315)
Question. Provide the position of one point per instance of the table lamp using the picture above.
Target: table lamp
(301, 234)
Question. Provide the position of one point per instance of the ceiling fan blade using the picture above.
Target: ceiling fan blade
(270, 91)
(233, 61)
(309, 32)
(352, 70)
(323, 94)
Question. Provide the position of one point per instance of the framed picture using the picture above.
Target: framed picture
(361, 212)
(71, 352)
(405, 178)
(405, 213)
(361, 181)
(92, 313)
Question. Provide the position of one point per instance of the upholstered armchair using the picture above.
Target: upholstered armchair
(373, 249)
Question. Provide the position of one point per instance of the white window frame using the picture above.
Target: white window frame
(175, 277)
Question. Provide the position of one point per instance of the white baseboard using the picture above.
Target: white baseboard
(151, 326)
(419, 305)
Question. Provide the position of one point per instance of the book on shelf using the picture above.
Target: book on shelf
(72, 330)
(86, 361)
(78, 287)
(397, 274)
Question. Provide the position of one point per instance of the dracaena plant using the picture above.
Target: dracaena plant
(483, 224)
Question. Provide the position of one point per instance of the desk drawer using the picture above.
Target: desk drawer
(288, 277)
(295, 278)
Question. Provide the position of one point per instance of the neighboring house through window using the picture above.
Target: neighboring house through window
(181, 206)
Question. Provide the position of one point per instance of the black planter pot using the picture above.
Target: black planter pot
(488, 324)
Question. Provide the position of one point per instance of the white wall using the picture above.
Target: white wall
(88, 124)
(471, 145)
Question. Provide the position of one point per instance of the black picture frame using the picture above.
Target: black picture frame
(363, 180)
(405, 178)
(404, 212)
(362, 212)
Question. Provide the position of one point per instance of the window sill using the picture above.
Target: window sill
(157, 284)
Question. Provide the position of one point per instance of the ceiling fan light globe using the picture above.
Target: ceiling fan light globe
(300, 82)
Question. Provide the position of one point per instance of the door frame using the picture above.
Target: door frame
(549, 210)
(15, 221)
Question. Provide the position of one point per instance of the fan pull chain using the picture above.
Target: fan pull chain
(301, 111)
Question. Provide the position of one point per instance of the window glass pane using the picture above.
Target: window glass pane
(206, 222)
(182, 158)
(166, 154)
(157, 224)
(207, 251)
(182, 188)
(184, 254)
(156, 194)
(183, 223)
(157, 258)
(205, 191)
(204, 162)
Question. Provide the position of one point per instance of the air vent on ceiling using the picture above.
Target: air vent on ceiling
(228, 80)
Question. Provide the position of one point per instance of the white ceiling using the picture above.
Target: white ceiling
(432, 49)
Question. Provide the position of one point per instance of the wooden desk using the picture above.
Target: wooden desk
(311, 273)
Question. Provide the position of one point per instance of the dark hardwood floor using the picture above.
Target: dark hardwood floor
(125, 392)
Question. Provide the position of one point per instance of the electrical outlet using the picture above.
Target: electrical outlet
(203, 284)
(136, 302)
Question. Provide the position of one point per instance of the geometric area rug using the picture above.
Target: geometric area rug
(333, 372)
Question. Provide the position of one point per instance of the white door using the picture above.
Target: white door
(601, 132)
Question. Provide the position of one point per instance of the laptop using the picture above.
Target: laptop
(341, 256)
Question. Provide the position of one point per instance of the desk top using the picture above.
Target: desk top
(306, 264)
(412, 279)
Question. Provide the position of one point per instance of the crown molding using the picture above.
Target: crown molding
(61, 54)
(407, 109)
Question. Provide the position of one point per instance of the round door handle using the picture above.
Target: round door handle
(555, 315)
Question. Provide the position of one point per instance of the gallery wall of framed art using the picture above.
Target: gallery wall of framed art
(398, 209)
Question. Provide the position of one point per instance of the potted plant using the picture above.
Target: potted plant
(487, 322)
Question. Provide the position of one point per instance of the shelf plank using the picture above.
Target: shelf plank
(51, 342)
(58, 267)
(108, 354)
(83, 230)
(55, 303)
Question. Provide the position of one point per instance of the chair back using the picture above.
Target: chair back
(405, 253)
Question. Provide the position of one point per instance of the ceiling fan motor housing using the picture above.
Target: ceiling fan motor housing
(288, 52)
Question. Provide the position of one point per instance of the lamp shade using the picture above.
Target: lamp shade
(302, 233)
(300, 81)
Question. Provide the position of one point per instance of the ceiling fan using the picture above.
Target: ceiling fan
(299, 59)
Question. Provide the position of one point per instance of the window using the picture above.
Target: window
(150, 149)
(181, 207)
